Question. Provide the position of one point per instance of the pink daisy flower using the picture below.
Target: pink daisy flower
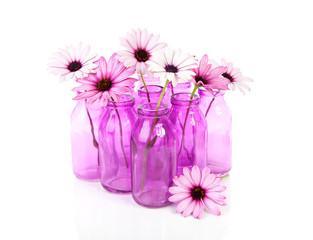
(73, 63)
(235, 77)
(140, 46)
(173, 66)
(194, 190)
(110, 80)
(210, 77)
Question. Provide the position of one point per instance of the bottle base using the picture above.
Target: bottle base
(117, 185)
(90, 174)
(218, 170)
(155, 198)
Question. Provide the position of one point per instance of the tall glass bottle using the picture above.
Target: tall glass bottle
(85, 121)
(153, 147)
(219, 122)
(114, 144)
(191, 130)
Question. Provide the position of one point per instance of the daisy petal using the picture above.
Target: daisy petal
(213, 208)
(196, 175)
(183, 204)
(179, 196)
(189, 209)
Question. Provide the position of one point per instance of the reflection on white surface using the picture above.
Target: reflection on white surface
(107, 216)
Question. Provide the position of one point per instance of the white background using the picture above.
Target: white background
(270, 196)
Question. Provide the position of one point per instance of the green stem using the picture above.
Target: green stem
(143, 81)
(161, 96)
(121, 132)
(149, 145)
(183, 134)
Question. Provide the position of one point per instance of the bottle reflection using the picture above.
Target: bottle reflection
(101, 215)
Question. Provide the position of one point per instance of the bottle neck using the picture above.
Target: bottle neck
(184, 100)
(148, 110)
(127, 101)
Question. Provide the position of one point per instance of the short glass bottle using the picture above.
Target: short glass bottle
(114, 144)
(191, 131)
(153, 147)
(219, 121)
(85, 120)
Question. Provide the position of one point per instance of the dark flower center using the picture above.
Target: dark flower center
(104, 85)
(228, 76)
(198, 79)
(74, 66)
(171, 68)
(197, 193)
(142, 55)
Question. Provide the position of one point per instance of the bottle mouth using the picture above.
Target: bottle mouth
(149, 109)
(216, 93)
(127, 100)
(152, 89)
(183, 99)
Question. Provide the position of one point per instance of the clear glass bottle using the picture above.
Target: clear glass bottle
(85, 121)
(114, 144)
(153, 147)
(191, 131)
(219, 121)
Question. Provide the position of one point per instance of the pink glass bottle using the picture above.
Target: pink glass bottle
(191, 131)
(153, 147)
(114, 144)
(219, 122)
(84, 135)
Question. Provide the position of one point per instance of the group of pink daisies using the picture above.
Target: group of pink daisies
(103, 80)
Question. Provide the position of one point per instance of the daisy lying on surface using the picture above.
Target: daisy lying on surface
(195, 189)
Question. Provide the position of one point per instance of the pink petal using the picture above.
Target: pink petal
(205, 173)
(187, 174)
(219, 188)
(196, 210)
(190, 208)
(125, 74)
(183, 181)
(175, 190)
(84, 88)
(94, 98)
(196, 175)
(85, 95)
(126, 82)
(183, 204)
(213, 208)
(178, 197)
(201, 209)
(175, 180)
(102, 69)
(208, 181)
(203, 65)
(215, 183)
(215, 196)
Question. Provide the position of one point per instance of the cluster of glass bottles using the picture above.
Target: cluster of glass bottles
(132, 147)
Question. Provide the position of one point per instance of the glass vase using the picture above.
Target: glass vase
(153, 147)
(85, 121)
(219, 121)
(114, 144)
(191, 130)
